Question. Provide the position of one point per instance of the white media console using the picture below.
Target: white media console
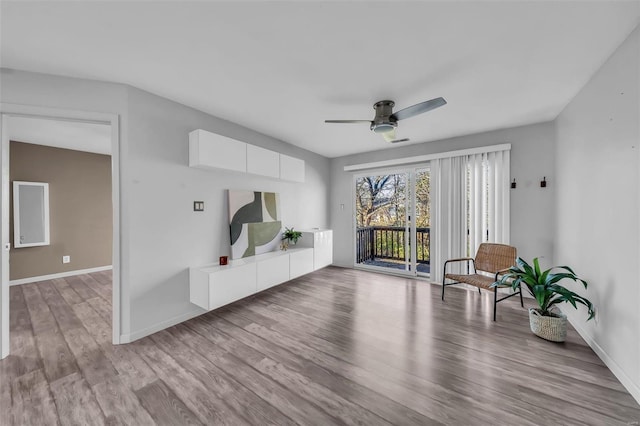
(213, 286)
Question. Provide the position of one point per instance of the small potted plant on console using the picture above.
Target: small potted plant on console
(289, 236)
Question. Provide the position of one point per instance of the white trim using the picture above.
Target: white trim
(428, 157)
(625, 380)
(6, 243)
(388, 271)
(128, 338)
(112, 119)
(59, 275)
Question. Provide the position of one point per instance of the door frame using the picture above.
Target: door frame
(410, 237)
(7, 110)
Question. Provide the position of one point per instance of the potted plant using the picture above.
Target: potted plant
(545, 288)
(289, 235)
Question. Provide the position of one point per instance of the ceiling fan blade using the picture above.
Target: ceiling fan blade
(419, 108)
(400, 140)
(390, 135)
(348, 121)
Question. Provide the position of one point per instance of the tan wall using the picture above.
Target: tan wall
(79, 207)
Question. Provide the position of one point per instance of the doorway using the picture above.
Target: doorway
(16, 112)
(392, 221)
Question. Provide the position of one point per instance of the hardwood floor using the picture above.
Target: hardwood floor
(338, 346)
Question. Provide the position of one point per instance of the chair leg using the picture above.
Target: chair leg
(444, 272)
(495, 301)
(521, 302)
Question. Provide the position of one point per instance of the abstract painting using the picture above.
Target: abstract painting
(255, 222)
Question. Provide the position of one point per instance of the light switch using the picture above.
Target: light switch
(198, 206)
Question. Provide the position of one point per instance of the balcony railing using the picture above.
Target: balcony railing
(388, 242)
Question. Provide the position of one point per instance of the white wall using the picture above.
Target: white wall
(597, 208)
(532, 215)
(165, 235)
(161, 236)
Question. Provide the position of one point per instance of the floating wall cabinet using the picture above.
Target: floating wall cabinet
(213, 286)
(212, 151)
(273, 271)
(263, 162)
(321, 240)
(300, 263)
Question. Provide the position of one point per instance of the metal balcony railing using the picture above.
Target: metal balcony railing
(388, 242)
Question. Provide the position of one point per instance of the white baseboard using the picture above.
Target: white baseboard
(626, 381)
(59, 275)
(128, 338)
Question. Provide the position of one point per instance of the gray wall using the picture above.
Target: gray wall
(161, 236)
(597, 208)
(165, 235)
(532, 215)
(79, 208)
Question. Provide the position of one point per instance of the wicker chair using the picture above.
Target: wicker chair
(494, 259)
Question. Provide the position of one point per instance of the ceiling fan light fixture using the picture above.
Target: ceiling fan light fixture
(383, 127)
(385, 121)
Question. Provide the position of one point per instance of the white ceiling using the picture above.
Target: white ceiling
(80, 136)
(281, 68)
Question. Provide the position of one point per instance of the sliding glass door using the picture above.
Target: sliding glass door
(382, 225)
(422, 214)
(386, 236)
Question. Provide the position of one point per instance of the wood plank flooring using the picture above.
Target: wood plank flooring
(338, 346)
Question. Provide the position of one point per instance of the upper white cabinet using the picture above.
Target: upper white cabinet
(263, 162)
(291, 168)
(213, 151)
(210, 150)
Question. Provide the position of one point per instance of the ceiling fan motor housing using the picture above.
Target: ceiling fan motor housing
(383, 122)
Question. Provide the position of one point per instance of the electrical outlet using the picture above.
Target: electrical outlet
(66, 259)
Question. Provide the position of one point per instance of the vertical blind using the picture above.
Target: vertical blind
(470, 205)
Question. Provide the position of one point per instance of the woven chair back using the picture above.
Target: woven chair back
(495, 257)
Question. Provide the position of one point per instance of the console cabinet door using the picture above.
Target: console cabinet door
(300, 263)
(323, 249)
(272, 271)
(228, 285)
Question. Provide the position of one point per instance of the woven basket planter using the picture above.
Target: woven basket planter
(553, 328)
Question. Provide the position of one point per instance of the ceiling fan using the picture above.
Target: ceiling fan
(385, 121)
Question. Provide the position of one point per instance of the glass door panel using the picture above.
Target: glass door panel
(423, 221)
(382, 225)
(393, 221)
